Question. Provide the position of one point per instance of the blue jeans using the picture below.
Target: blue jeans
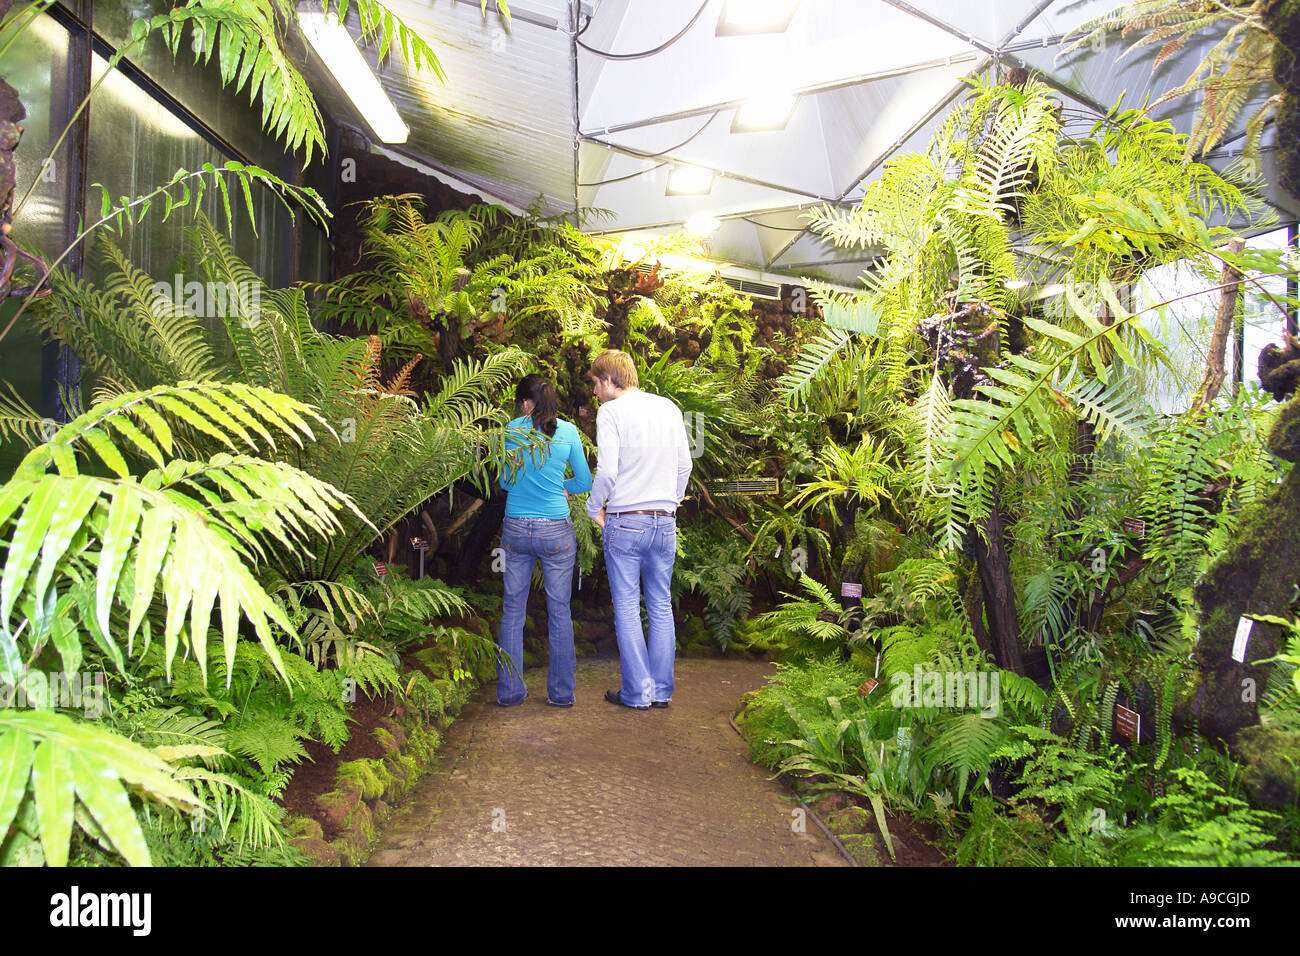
(639, 555)
(524, 540)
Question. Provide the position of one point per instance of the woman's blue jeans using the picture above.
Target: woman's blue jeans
(524, 541)
(639, 555)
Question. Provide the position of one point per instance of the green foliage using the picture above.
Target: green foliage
(717, 570)
(1197, 824)
(387, 452)
(1229, 75)
(163, 548)
(816, 619)
(798, 693)
(441, 274)
(55, 770)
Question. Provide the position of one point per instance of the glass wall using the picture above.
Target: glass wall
(1185, 324)
(37, 68)
(136, 138)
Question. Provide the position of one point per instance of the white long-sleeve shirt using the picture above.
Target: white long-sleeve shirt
(643, 458)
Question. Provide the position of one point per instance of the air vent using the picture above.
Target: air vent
(759, 290)
(749, 486)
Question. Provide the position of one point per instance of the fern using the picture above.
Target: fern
(58, 764)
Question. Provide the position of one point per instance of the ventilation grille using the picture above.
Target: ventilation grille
(759, 290)
(749, 486)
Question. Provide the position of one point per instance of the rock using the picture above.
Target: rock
(830, 803)
(1268, 754)
(318, 851)
(305, 827)
(339, 806)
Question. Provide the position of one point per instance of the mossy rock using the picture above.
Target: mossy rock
(339, 805)
(387, 739)
(848, 819)
(479, 626)
(367, 776)
(304, 827)
(317, 851)
(865, 848)
(1271, 758)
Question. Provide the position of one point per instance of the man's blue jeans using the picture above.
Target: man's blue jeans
(639, 554)
(524, 541)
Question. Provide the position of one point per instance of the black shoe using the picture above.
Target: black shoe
(556, 703)
(659, 703)
(615, 697)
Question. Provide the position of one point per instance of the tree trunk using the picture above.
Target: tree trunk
(479, 539)
(994, 565)
(1256, 576)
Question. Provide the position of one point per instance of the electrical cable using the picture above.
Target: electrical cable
(661, 153)
(639, 56)
(777, 228)
(620, 179)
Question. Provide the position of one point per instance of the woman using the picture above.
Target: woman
(537, 525)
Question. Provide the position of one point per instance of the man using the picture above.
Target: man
(642, 464)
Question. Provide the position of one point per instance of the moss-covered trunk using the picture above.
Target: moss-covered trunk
(1256, 576)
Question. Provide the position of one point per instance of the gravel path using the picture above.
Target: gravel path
(602, 785)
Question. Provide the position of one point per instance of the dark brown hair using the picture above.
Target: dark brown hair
(542, 394)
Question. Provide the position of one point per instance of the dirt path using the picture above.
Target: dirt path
(603, 785)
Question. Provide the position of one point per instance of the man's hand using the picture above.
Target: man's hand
(600, 519)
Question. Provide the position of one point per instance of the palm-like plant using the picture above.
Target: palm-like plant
(103, 567)
(817, 617)
(854, 477)
(430, 285)
(391, 452)
(97, 561)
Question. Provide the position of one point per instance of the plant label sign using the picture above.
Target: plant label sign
(381, 569)
(1136, 526)
(420, 544)
(1244, 624)
(868, 686)
(1128, 723)
(850, 589)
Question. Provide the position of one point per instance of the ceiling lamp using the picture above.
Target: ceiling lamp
(703, 225)
(749, 17)
(689, 181)
(765, 111)
(338, 51)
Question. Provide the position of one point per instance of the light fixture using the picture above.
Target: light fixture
(764, 111)
(703, 224)
(338, 51)
(1015, 284)
(749, 17)
(689, 181)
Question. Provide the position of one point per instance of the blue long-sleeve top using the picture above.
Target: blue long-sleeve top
(538, 487)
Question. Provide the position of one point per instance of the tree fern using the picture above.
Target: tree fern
(183, 531)
(58, 763)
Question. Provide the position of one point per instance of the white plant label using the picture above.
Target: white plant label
(1244, 624)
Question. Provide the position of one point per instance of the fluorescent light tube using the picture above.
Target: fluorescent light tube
(338, 51)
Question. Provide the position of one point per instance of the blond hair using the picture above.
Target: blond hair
(617, 368)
